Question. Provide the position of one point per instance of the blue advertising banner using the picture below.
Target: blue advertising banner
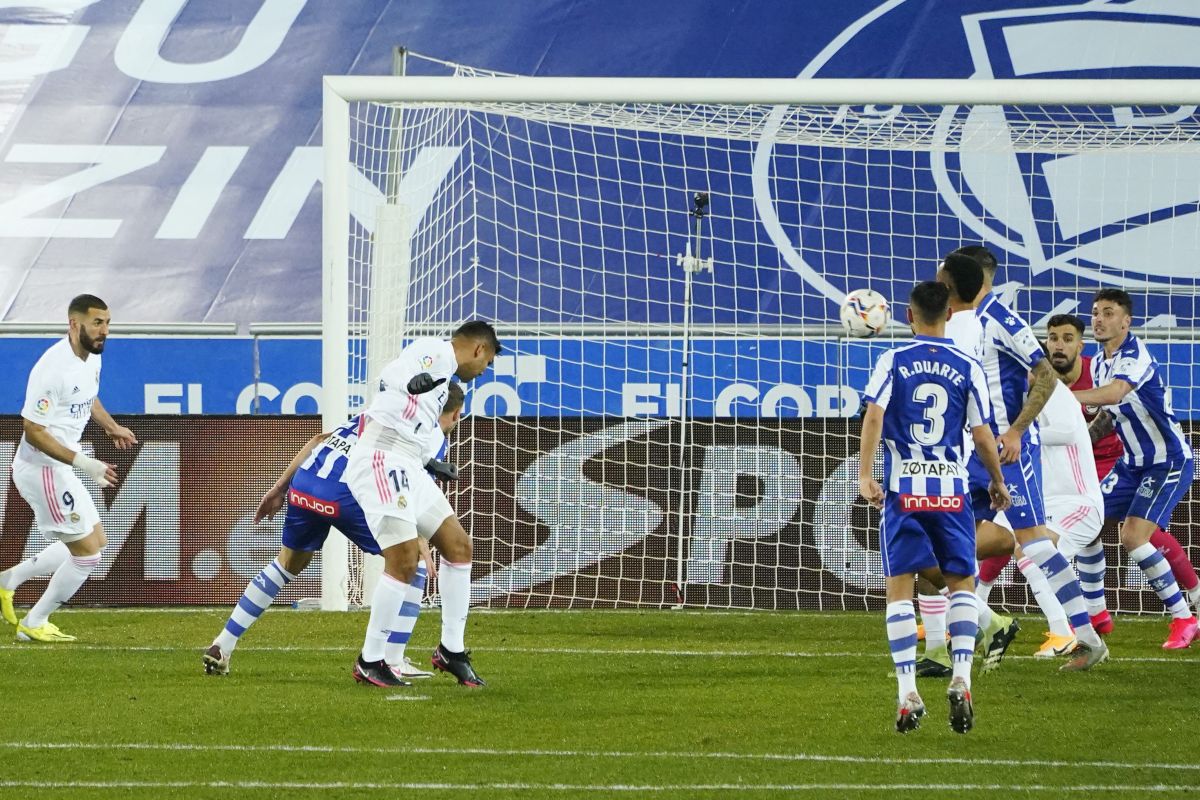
(547, 377)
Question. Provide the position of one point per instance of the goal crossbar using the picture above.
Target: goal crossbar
(767, 91)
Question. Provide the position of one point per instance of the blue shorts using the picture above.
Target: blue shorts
(1024, 481)
(917, 534)
(315, 504)
(1150, 492)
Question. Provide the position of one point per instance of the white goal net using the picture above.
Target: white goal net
(674, 418)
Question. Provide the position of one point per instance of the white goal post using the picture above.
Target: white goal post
(659, 435)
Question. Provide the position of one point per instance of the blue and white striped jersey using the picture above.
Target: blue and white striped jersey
(328, 459)
(1010, 352)
(1144, 419)
(929, 391)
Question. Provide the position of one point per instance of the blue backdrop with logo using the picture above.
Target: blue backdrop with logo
(165, 155)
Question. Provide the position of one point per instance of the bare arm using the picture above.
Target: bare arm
(272, 501)
(39, 436)
(872, 430)
(1101, 426)
(1044, 382)
(1110, 394)
(121, 436)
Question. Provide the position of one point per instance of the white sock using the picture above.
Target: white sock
(455, 582)
(62, 587)
(985, 615)
(983, 590)
(933, 617)
(44, 563)
(385, 607)
(1045, 598)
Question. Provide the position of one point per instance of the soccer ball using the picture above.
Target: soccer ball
(865, 313)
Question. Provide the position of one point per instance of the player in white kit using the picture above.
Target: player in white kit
(60, 398)
(387, 477)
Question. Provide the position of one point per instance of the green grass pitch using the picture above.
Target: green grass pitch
(592, 704)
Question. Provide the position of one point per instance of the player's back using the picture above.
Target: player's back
(1010, 352)
(1068, 465)
(925, 389)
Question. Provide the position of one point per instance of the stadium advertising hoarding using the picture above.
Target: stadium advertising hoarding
(581, 512)
(548, 377)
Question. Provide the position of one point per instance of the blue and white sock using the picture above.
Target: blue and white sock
(902, 639)
(393, 652)
(1065, 585)
(1089, 563)
(1045, 598)
(963, 622)
(259, 595)
(1158, 572)
(390, 594)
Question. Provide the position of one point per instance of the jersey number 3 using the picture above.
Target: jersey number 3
(930, 430)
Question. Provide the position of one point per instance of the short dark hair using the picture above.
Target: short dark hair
(929, 301)
(84, 303)
(1118, 296)
(480, 331)
(966, 275)
(455, 397)
(1059, 320)
(981, 254)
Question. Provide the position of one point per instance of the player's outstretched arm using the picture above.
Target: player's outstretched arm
(1040, 389)
(985, 446)
(872, 430)
(121, 436)
(1110, 394)
(272, 501)
(39, 436)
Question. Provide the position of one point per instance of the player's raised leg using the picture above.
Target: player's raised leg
(258, 596)
(39, 564)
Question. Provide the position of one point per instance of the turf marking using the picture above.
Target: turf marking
(593, 754)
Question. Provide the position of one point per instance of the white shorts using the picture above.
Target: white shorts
(392, 488)
(62, 507)
(1076, 522)
(434, 515)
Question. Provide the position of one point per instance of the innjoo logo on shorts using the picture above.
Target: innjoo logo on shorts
(304, 500)
(920, 502)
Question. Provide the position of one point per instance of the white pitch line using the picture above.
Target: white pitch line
(593, 754)
(612, 787)
(789, 614)
(585, 651)
(407, 697)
